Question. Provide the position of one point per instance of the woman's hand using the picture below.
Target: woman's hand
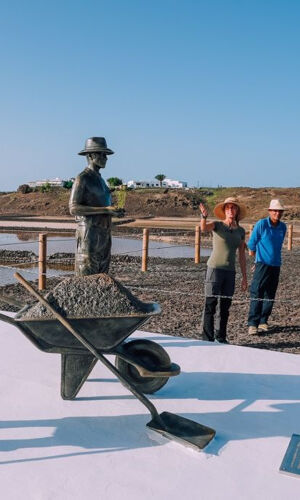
(205, 226)
(244, 284)
(203, 210)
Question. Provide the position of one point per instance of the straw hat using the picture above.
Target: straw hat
(219, 209)
(276, 205)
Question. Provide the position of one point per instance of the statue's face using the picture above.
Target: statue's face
(99, 159)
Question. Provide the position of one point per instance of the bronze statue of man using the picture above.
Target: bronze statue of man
(90, 202)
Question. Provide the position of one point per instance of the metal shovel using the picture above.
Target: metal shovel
(172, 426)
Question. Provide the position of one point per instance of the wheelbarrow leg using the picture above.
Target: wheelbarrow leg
(75, 369)
(172, 426)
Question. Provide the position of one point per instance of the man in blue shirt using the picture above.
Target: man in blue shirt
(265, 243)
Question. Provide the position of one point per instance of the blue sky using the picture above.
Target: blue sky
(203, 91)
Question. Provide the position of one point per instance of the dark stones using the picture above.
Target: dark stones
(12, 256)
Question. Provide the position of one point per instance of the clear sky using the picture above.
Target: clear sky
(203, 91)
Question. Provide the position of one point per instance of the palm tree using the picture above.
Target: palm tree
(160, 178)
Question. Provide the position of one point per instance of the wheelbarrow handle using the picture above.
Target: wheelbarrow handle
(7, 319)
(88, 346)
(11, 300)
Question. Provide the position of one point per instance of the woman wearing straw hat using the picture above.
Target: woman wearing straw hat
(228, 236)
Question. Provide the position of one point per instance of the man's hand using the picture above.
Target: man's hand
(244, 284)
(252, 254)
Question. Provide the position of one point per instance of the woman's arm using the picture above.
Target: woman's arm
(204, 226)
(242, 260)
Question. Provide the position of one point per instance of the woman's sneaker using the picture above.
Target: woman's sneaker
(252, 330)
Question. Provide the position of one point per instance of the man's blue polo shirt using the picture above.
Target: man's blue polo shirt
(266, 240)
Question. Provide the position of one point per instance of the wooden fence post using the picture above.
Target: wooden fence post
(145, 249)
(197, 244)
(251, 226)
(42, 260)
(290, 236)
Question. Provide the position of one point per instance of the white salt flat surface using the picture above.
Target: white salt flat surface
(98, 446)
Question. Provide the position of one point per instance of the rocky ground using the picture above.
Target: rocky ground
(177, 284)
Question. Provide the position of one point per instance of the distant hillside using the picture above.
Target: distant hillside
(157, 202)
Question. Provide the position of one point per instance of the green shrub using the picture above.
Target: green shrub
(46, 188)
(68, 184)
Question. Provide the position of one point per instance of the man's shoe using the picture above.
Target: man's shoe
(264, 327)
(252, 330)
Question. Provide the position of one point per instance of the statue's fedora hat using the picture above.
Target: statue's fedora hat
(96, 145)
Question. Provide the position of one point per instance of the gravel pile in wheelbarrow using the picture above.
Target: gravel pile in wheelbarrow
(91, 296)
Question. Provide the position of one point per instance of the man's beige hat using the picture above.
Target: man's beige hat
(219, 209)
(276, 205)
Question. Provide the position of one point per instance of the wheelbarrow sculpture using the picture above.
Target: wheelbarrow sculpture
(142, 366)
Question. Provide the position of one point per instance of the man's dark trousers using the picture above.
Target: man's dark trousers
(264, 285)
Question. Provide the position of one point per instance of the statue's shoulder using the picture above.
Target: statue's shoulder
(84, 175)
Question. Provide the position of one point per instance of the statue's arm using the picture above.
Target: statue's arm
(77, 206)
(76, 209)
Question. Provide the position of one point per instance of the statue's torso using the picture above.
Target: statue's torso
(90, 189)
(93, 232)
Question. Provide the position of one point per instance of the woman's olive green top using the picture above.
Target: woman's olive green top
(225, 243)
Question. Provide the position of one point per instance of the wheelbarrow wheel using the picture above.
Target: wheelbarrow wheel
(153, 355)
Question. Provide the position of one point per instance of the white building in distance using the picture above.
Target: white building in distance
(166, 183)
(52, 182)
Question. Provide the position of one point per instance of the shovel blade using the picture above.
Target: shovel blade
(182, 430)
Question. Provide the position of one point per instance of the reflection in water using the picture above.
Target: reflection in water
(63, 242)
(34, 236)
(66, 243)
(25, 236)
(30, 273)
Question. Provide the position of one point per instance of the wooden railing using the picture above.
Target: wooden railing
(42, 261)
